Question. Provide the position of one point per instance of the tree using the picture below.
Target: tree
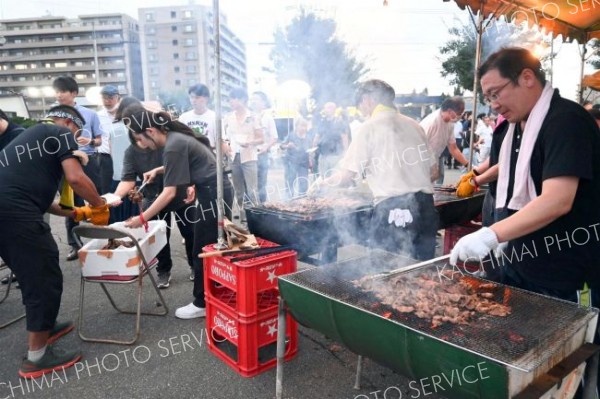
(458, 53)
(175, 101)
(308, 50)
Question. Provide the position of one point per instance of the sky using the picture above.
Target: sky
(400, 42)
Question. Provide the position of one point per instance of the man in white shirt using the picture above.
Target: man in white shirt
(259, 103)
(110, 103)
(391, 150)
(484, 131)
(439, 128)
(200, 118)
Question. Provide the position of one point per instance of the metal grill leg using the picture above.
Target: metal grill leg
(281, 327)
(358, 372)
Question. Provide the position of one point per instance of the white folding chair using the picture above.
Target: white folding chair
(106, 232)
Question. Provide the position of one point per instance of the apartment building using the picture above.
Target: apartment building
(94, 49)
(178, 51)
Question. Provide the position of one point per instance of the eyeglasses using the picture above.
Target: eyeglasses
(493, 97)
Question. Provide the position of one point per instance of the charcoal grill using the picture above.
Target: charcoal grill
(324, 299)
(453, 209)
(324, 231)
(319, 231)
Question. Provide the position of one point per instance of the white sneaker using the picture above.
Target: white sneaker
(190, 311)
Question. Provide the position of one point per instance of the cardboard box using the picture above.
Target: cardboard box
(122, 261)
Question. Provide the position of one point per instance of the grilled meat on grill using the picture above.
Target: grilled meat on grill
(437, 299)
(313, 205)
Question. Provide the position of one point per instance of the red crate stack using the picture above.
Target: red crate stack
(241, 309)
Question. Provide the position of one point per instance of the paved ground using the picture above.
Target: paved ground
(171, 358)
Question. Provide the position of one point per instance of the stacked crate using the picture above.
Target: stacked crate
(241, 309)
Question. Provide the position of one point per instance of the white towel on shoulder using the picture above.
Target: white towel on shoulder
(524, 188)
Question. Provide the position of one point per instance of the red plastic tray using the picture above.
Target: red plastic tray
(247, 345)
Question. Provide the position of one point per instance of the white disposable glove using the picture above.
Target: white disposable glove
(315, 187)
(474, 246)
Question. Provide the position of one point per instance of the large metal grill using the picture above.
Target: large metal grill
(541, 324)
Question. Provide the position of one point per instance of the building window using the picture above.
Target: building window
(173, 14)
(60, 65)
(191, 82)
(175, 42)
(21, 66)
(177, 82)
(151, 44)
(153, 84)
(80, 76)
(190, 55)
(152, 57)
(188, 28)
(175, 56)
(153, 71)
(188, 42)
(173, 28)
(187, 14)
(150, 30)
(176, 69)
(149, 16)
(78, 63)
(190, 68)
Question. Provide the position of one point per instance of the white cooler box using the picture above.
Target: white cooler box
(96, 262)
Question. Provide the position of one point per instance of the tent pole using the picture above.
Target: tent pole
(475, 83)
(218, 126)
(583, 51)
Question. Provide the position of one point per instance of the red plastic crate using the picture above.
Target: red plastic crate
(265, 300)
(456, 232)
(247, 278)
(247, 344)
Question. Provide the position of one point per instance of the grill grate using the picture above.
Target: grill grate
(537, 328)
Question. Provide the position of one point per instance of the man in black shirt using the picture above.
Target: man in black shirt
(548, 184)
(553, 245)
(31, 167)
(8, 130)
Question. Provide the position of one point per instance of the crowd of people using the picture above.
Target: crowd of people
(540, 158)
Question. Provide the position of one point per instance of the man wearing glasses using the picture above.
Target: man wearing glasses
(439, 128)
(548, 186)
(548, 183)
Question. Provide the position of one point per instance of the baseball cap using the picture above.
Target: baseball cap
(109, 90)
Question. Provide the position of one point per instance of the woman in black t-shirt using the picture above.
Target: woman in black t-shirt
(187, 160)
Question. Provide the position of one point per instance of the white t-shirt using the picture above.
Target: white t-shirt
(239, 133)
(202, 125)
(485, 133)
(270, 129)
(439, 134)
(458, 127)
(391, 149)
(106, 121)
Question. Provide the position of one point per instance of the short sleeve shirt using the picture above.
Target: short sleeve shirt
(188, 161)
(566, 251)
(439, 134)
(31, 170)
(392, 151)
(202, 125)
